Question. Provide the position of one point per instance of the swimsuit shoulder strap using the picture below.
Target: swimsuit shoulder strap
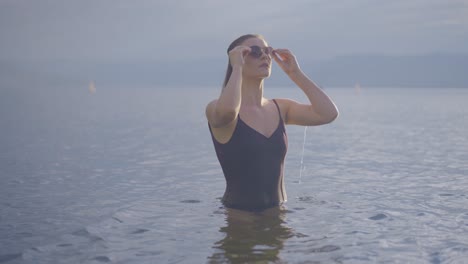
(277, 107)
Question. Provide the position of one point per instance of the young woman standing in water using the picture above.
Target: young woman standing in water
(248, 130)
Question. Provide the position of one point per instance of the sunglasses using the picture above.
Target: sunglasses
(256, 51)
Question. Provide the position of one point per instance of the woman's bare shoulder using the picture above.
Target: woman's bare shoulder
(283, 104)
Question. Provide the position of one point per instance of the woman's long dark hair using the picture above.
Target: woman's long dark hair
(234, 44)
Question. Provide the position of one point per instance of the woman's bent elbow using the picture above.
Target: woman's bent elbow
(333, 116)
(330, 117)
(224, 117)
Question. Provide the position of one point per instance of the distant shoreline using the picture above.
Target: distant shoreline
(370, 70)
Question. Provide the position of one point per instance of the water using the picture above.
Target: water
(129, 175)
(302, 155)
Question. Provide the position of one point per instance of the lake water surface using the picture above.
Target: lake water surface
(129, 175)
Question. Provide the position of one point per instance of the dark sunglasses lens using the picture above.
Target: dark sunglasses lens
(256, 51)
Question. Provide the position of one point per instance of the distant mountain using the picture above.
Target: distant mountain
(430, 70)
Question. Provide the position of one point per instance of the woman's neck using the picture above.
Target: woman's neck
(252, 92)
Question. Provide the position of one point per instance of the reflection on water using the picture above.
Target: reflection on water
(130, 176)
(252, 236)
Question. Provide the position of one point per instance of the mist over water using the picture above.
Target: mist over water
(129, 175)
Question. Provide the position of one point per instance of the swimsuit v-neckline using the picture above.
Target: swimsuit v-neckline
(256, 131)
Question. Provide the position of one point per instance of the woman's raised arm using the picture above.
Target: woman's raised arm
(321, 109)
(224, 110)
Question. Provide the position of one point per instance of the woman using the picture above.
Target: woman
(248, 130)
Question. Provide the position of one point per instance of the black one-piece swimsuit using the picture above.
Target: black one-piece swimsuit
(253, 166)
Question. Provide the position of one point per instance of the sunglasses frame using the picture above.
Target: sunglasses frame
(257, 51)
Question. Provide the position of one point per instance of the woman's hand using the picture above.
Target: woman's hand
(237, 54)
(286, 60)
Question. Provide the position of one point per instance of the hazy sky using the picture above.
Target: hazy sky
(180, 29)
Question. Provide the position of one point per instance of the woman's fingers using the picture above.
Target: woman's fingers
(237, 54)
(283, 53)
(276, 56)
(286, 59)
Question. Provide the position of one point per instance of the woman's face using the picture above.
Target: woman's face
(258, 66)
